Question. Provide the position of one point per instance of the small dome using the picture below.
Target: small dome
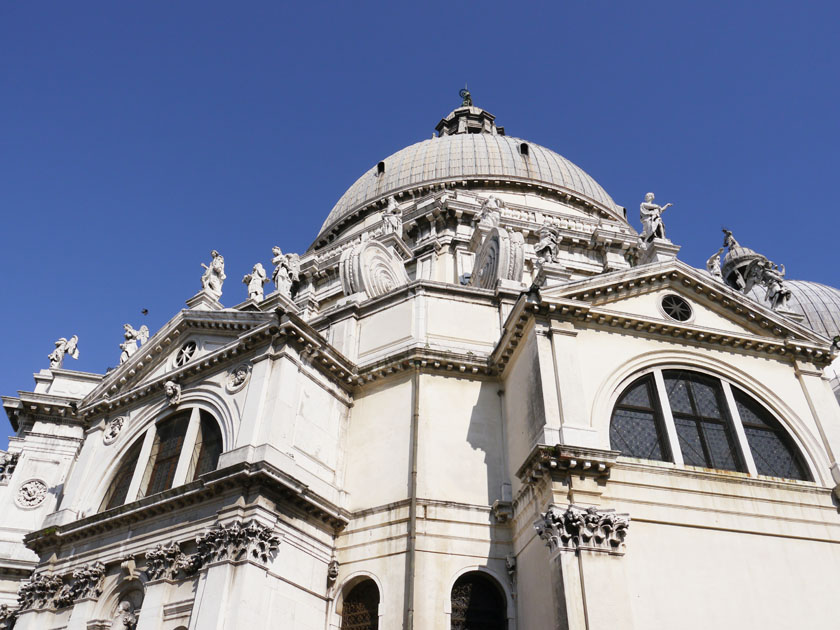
(818, 303)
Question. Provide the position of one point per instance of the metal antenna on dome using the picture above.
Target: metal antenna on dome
(465, 94)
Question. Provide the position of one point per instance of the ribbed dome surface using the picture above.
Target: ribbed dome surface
(820, 304)
(470, 157)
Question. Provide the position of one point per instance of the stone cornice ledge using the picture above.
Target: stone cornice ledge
(562, 458)
(241, 475)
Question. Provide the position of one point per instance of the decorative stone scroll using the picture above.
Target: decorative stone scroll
(371, 268)
(583, 528)
(31, 494)
(8, 463)
(501, 256)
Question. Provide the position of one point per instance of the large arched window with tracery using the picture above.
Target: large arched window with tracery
(360, 608)
(478, 603)
(170, 453)
(692, 418)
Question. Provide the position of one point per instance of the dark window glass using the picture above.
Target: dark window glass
(703, 427)
(208, 446)
(122, 480)
(636, 426)
(361, 607)
(478, 604)
(168, 443)
(772, 449)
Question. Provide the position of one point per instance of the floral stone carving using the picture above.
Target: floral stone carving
(166, 561)
(371, 268)
(500, 257)
(237, 542)
(234, 542)
(31, 494)
(8, 463)
(39, 591)
(589, 528)
(8, 617)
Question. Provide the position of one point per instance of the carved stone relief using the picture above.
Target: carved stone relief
(235, 542)
(237, 378)
(589, 528)
(501, 256)
(8, 463)
(112, 429)
(173, 392)
(371, 268)
(51, 591)
(31, 494)
(8, 617)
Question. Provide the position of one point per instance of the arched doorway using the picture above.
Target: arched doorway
(360, 609)
(478, 603)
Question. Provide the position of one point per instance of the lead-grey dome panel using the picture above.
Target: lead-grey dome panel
(470, 157)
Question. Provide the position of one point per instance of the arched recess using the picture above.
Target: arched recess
(616, 382)
(358, 605)
(491, 578)
(131, 591)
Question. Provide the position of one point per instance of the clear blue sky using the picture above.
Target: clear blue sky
(136, 137)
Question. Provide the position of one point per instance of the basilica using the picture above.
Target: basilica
(480, 400)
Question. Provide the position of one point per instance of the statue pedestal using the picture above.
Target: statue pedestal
(550, 274)
(658, 250)
(204, 301)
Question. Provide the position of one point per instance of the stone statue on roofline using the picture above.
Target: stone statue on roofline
(286, 271)
(713, 265)
(132, 339)
(255, 281)
(548, 245)
(650, 214)
(64, 347)
(490, 213)
(214, 275)
(392, 218)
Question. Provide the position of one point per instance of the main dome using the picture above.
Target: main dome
(466, 152)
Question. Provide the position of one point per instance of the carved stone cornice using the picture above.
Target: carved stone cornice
(582, 302)
(271, 481)
(576, 528)
(547, 460)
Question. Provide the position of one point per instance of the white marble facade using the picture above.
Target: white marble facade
(440, 421)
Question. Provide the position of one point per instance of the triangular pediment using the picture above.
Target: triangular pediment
(189, 337)
(636, 294)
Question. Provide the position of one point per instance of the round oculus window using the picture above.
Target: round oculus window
(676, 308)
(185, 353)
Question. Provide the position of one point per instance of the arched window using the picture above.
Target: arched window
(692, 418)
(478, 603)
(360, 609)
(170, 453)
